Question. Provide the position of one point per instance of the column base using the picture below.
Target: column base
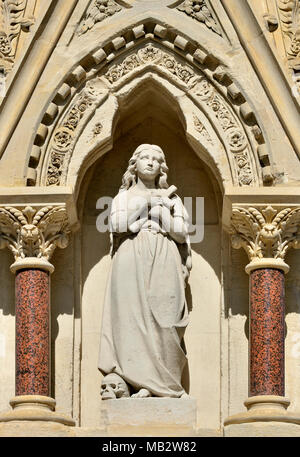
(265, 408)
(35, 408)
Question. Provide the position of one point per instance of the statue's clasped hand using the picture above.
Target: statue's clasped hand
(160, 197)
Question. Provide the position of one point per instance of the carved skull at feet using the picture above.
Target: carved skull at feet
(113, 387)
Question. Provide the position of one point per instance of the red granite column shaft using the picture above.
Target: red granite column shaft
(32, 332)
(267, 310)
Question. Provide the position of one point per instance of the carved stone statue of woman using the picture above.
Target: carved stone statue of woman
(145, 311)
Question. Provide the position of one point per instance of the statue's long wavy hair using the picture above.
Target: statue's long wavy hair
(130, 176)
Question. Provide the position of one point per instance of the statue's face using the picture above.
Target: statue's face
(148, 164)
(113, 387)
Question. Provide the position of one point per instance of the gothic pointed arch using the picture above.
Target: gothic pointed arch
(151, 49)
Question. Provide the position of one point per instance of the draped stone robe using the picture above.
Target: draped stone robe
(145, 312)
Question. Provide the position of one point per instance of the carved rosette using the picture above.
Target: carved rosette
(97, 12)
(236, 139)
(33, 233)
(12, 21)
(66, 133)
(202, 12)
(266, 233)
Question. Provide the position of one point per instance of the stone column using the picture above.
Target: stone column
(266, 234)
(32, 235)
(33, 344)
(266, 343)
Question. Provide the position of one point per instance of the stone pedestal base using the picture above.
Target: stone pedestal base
(264, 408)
(262, 429)
(146, 416)
(35, 408)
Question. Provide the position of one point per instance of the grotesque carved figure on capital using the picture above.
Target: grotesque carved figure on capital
(145, 311)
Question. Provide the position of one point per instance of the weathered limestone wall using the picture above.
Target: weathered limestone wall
(292, 331)
(237, 317)
(64, 307)
(7, 319)
(42, 81)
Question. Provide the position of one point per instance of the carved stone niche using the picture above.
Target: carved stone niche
(148, 114)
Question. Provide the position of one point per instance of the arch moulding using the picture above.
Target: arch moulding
(78, 124)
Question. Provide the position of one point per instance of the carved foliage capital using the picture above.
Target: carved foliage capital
(29, 232)
(265, 232)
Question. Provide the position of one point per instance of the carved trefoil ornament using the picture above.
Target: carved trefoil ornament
(202, 12)
(12, 21)
(30, 232)
(265, 233)
(97, 12)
